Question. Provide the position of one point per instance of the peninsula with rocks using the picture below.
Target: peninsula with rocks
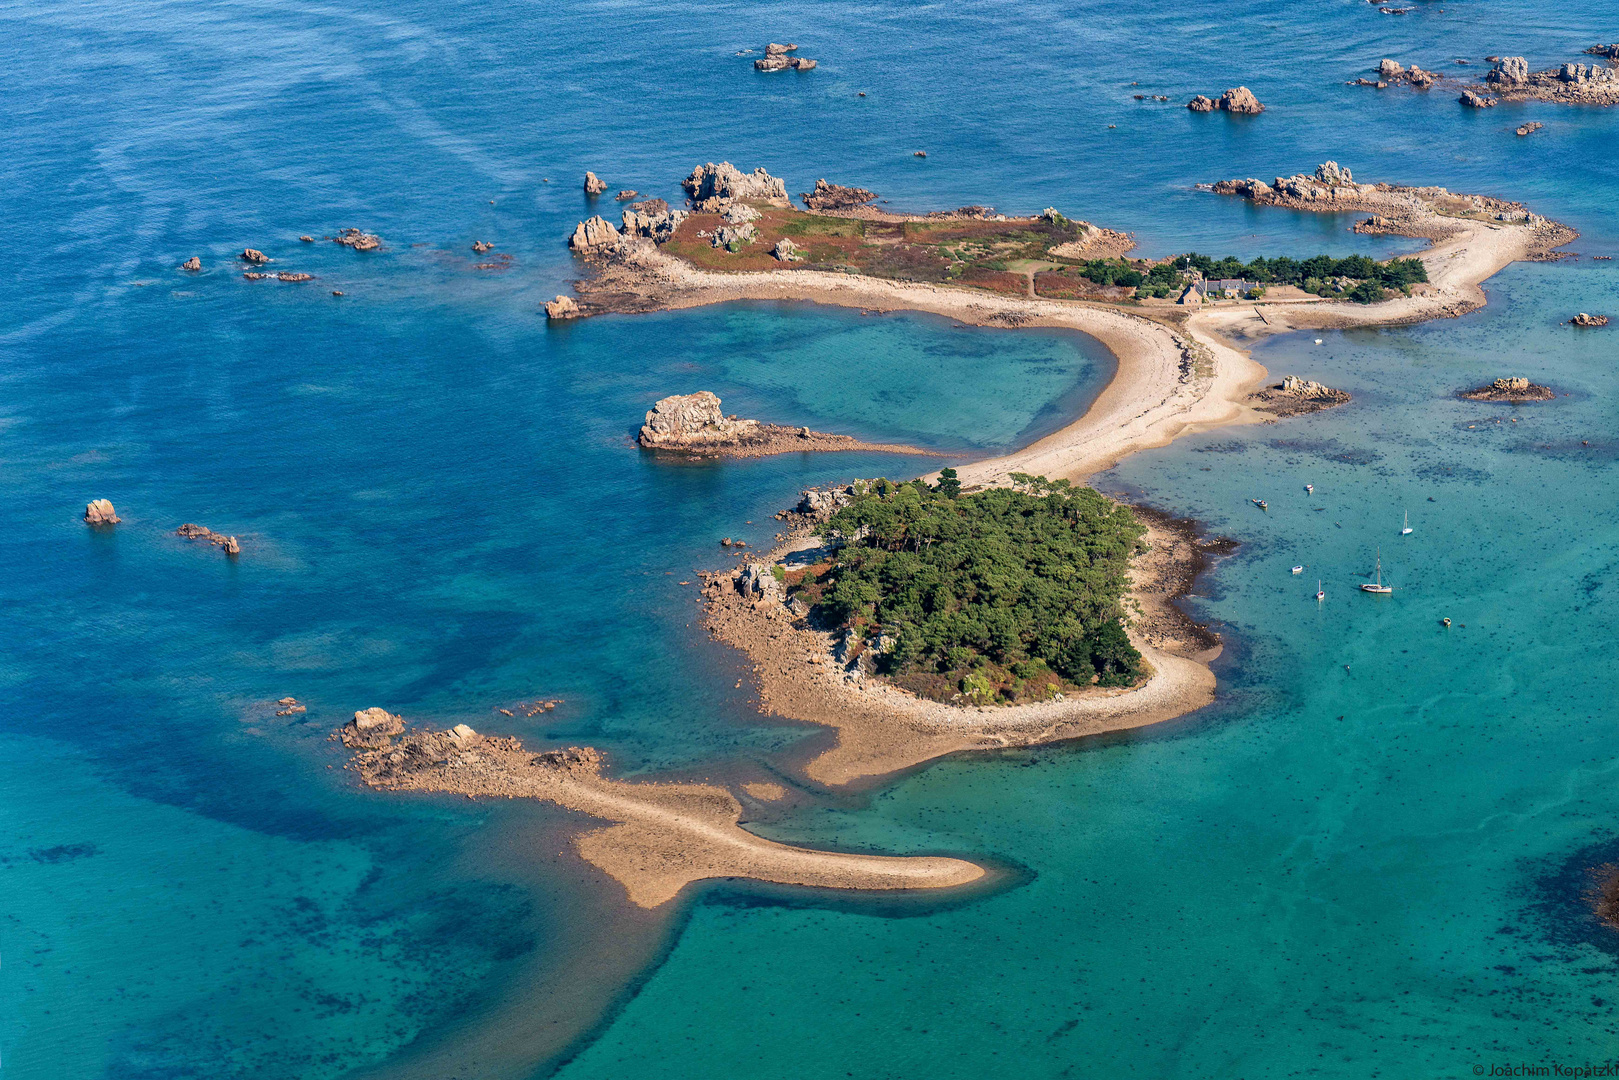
(694, 425)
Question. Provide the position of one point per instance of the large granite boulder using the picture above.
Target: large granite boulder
(1330, 172)
(563, 307)
(1388, 69)
(1509, 71)
(1240, 99)
(594, 185)
(836, 197)
(100, 512)
(1201, 104)
(786, 251)
(684, 421)
(709, 184)
(593, 235)
(1474, 100)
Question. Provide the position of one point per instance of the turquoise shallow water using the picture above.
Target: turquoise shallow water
(1329, 873)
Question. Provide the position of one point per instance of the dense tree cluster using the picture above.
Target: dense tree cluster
(1317, 274)
(1010, 593)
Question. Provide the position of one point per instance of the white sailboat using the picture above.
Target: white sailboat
(1407, 530)
(1319, 595)
(1378, 586)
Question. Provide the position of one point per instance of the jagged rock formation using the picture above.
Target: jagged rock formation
(201, 532)
(192, 264)
(693, 424)
(1528, 129)
(1239, 99)
(1294, 396)
(100, 512)
(711, 187)
(819, 504)
(626, 195)
(254, 256)
(738, 228)
(1390, 72)
(593, 234)
(1611, 52)
(593, 185)
(563, 307)
(1474, 100)
(785, 251)
(776, 59)
(1512, 388)
(836, 197)
(653, 219)
(371, 728)
(1583, 319)
(1509, 71)
(359, 241)
(1571, 83)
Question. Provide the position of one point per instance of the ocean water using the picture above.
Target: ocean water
(1366, 858)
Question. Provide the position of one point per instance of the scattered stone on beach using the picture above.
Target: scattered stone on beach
(202, 532)
(626, 195)
(712, 187)
(100, 512)
(836, 197)
(1294, 396)
(254, 256)
(593, 234)
(563, 307)
(1511, 388)
(785, 251)
(1584, 319)
(192, 264)
(1475, 100)
(594, 185)
(1530, 128)
(358, 240)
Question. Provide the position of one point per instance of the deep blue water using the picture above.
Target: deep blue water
(1331, 872)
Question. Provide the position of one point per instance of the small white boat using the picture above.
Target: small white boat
(1377, 586)
(1309, 489)
(1319, 595)
(1298, 569)
(1318, 341)
(1260, 503)
(1407, 530)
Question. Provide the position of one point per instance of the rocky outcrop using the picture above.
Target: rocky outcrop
(100, 512)
(593, 185)
(563, 307)
(358, 240)
(371, 727)
(1294, 396)
(687, 421)
(481, 246)
(757, 582)
(1240, 99)
(1474, 100)
(712, 187)
(1583, 319)
(626, 195)
(594, 234)
(1611, 52)
(738, 229)
(836, 197)
(653, 219)
(1512, 388)
(283, 275)
(693, 424)
(1249, 188)
(1389, 70)
(1509, 71)
(1201, 104)
(776, 58)
(254, 256)
(1571, 83)
(1531, 128)
(201, 532)
(193, 264)
(786, 251)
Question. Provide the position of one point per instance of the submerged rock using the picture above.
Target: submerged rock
(100, 512)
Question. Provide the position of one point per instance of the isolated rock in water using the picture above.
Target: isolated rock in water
(482, 246)
(563, 307)
(1388, 69)
(709, 183)
(1509, 71)
(594, 186)
(1200, 104)
(359, 241)
(255, 256)
(1582, 319)
(307, 239)
(593, 234)
(100, 512)
(192, 263)
(802, 63)
(1304, 387)
(1530, 128)
(686, 420)
(1330, 172)
(1240, 100)
(231, 547)
(771, 63)
(1475, 100)
(202, 532)
(836, 197)
(626, 194)
(785, 250)
(774, 49)
(286, 275)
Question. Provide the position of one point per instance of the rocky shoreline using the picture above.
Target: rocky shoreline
(693, 426)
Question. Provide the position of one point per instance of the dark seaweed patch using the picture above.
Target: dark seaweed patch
(1450, 470)
(1222, 448)
(63, 853)
(1328, 450)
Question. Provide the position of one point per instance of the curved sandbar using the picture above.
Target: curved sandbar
(664, 836)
